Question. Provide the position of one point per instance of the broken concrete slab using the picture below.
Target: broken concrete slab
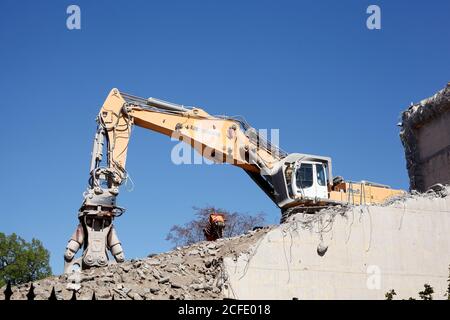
(370, 250)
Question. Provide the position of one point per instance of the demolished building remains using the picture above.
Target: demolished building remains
(354, 252)
(425, 136)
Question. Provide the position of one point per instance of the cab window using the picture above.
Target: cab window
(321, 180)
(304, 176)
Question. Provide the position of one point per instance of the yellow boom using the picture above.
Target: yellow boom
(294, 182)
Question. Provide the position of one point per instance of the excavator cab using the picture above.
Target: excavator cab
(301, 178)
(292, 181)
(310, 179)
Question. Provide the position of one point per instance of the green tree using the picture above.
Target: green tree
(22, 261)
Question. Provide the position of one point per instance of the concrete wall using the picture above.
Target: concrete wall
(370, 251)
(425, 135)
(434, 150)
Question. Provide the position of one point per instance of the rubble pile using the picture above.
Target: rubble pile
(207, 270)
(190, 272)
(436, 191)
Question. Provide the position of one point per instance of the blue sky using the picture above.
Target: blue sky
(309, 68)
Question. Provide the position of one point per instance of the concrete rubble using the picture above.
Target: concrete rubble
(191, 272)
(355, 252)
(332, 254)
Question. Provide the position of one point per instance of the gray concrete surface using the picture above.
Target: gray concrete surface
(370, 250)
(425, 135)
(434, 150)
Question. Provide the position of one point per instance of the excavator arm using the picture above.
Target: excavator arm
(295, 182)
(217, 138)
(220, 139)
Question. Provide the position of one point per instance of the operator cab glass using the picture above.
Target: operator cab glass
(305, 176)
(310, 180)
(320, 173)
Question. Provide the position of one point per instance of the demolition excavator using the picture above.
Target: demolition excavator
(295, 182)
